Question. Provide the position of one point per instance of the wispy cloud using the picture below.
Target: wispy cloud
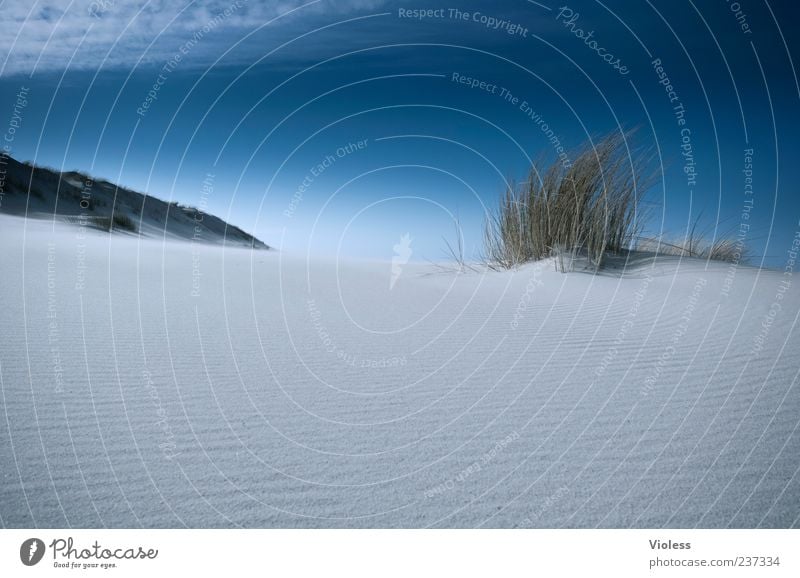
(52, 35)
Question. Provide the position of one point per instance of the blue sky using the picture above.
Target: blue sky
(339, 126)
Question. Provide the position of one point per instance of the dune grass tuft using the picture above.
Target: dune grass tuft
(728, 250)
(123, 221)
(117, 221)
(588, 207)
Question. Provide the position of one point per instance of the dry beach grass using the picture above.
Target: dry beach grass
(588, 209)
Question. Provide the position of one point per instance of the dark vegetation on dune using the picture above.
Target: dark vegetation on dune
(73, 196)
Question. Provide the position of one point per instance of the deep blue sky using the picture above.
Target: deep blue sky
(262, 98)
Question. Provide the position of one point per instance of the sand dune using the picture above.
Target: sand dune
(157, 384)
(78, 199)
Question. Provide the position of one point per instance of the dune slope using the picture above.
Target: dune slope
(76, 198)
(159, 384)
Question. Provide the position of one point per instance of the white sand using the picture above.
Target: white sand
(512, 399)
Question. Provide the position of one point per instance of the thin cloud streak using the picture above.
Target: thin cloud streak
(46, 35)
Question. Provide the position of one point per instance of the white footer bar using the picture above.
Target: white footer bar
(389, 553)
